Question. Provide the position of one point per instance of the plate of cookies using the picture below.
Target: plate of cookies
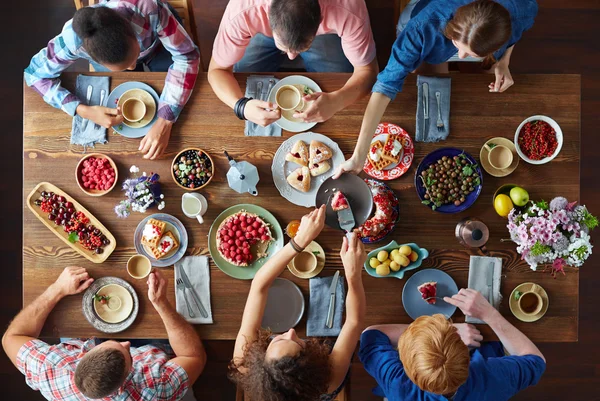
(302, 163)
(391, 153)
(162, 238)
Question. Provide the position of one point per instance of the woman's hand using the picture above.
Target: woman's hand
(503, 78)
(352, 166)
(353, 256)
(311, 226)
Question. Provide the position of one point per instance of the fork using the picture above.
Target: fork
(440, 123)
(181, 287)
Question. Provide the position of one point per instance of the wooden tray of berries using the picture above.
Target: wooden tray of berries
(71, 222)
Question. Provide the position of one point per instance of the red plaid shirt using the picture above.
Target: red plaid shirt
(50, 369)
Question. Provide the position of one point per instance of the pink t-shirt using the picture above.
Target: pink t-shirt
(243, 19)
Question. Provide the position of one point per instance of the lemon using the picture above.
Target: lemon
(394, 266)
(503, 205)
(413, 256)
(383, 269)
(405, 250)
(394, 253)
(373, 262)
(383, 255)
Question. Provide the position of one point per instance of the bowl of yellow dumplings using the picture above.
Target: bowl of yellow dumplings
(393, 260)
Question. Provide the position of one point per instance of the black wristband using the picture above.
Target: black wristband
(295, 245)
(240, 106)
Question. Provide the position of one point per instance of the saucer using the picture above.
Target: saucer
(485, 163)
(113, 101)
(287, 122)
(114, 312)
(514, 307)
(312, 247)
(147, 99)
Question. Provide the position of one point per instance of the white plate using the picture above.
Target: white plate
(293, 80)
(285, 306)
(281, 168)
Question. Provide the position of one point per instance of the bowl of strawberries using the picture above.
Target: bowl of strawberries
(96, 174)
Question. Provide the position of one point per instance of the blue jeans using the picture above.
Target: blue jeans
(325, 55)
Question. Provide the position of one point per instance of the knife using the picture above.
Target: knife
(332, 291)
(490, 284)
(88, 99)
(425, 110)
(195, 296)
(346, 219)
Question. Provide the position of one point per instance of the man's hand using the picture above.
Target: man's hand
(469, 334)
(473, 304)
(503, 78)
(157, 288)
(323, 107)
(104, 116)
(72, 280)
(156, 140)
(353, 255)
(261, 112)
(352, 166)
(311, 226)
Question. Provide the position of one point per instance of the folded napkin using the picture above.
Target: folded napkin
(258, 87)
(85, 132)
(318, 306)
(429, 132)
(196, 268)
(481, 268)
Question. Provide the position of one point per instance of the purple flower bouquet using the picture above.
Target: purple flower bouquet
(555, 233)
(142, 192)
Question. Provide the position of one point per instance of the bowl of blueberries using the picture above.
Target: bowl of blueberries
(192, 169)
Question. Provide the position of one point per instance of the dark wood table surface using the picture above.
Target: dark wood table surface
(476, 115)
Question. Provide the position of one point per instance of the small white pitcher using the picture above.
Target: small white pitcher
(194, 205)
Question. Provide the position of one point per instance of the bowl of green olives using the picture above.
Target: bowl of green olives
(192, 169)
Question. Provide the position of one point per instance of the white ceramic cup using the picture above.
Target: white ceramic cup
(129, 106)
(288, 97)
(140, 259)
(194, 205)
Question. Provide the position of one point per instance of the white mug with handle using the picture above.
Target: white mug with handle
(194, 205)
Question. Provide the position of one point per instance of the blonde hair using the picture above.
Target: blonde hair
(433, 355)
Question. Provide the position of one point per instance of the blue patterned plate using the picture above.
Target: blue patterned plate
(173, 225)
(414, 304)
(113, 99)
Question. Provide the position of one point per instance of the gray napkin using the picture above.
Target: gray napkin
(196, 268)
(85, 132)
(481, 268)
(258, 87)
(318, 306)
(430, 132)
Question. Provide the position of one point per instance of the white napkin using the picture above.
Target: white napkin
(480, 268)
(196, 268)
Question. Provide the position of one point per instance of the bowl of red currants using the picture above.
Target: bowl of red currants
(538, 139)
(96, 174)
(192, 169)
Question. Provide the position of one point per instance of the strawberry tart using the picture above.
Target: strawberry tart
(428, 290)
(339, 202)
(238, 233)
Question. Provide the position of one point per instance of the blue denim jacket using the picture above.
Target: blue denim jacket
(423, 39)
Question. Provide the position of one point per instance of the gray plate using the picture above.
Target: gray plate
(285, 306)
(415, 306)
(356, 191)
(90, 313)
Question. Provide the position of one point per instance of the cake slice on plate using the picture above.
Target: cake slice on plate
(300, 179)
(428, 290)
(298, 154)
(319, 152)
(317, 169)
(153, 232)
(339, 202)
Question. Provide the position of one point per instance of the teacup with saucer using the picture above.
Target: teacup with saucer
(499, 157)
(529, 302)
(308, 263)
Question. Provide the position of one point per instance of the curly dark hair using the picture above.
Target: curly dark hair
(303, 377)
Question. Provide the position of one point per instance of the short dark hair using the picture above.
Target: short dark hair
(295, 21)
(100, 372)
(105, 33)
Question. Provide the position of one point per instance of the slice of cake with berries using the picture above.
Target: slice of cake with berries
(428, 290)
(153, 232)
(339, 201)
(166, 244)
(243, 238)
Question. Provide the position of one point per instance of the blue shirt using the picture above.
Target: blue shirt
(423, 40)
(490, 378)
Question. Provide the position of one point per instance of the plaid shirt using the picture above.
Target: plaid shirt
(50, 369)
(153, 23)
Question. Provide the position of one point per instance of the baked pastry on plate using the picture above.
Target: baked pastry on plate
(320, 168)
(392, 150)
(339, 202)
(238, 233)
(298, 154)
(300, 179)
(428, 290)
(375, 157)
(319, 152)
(166, 244)
(153, 231)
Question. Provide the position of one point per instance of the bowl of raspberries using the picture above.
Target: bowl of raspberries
(96, 174)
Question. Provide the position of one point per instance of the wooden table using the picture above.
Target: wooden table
(207, 123)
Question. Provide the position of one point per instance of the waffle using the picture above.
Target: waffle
(160, 227)
(382, 163)
(387, 149)
(157, 251)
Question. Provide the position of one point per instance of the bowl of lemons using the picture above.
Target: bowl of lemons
(393, 260)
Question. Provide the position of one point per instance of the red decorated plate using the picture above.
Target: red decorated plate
(394, 170)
